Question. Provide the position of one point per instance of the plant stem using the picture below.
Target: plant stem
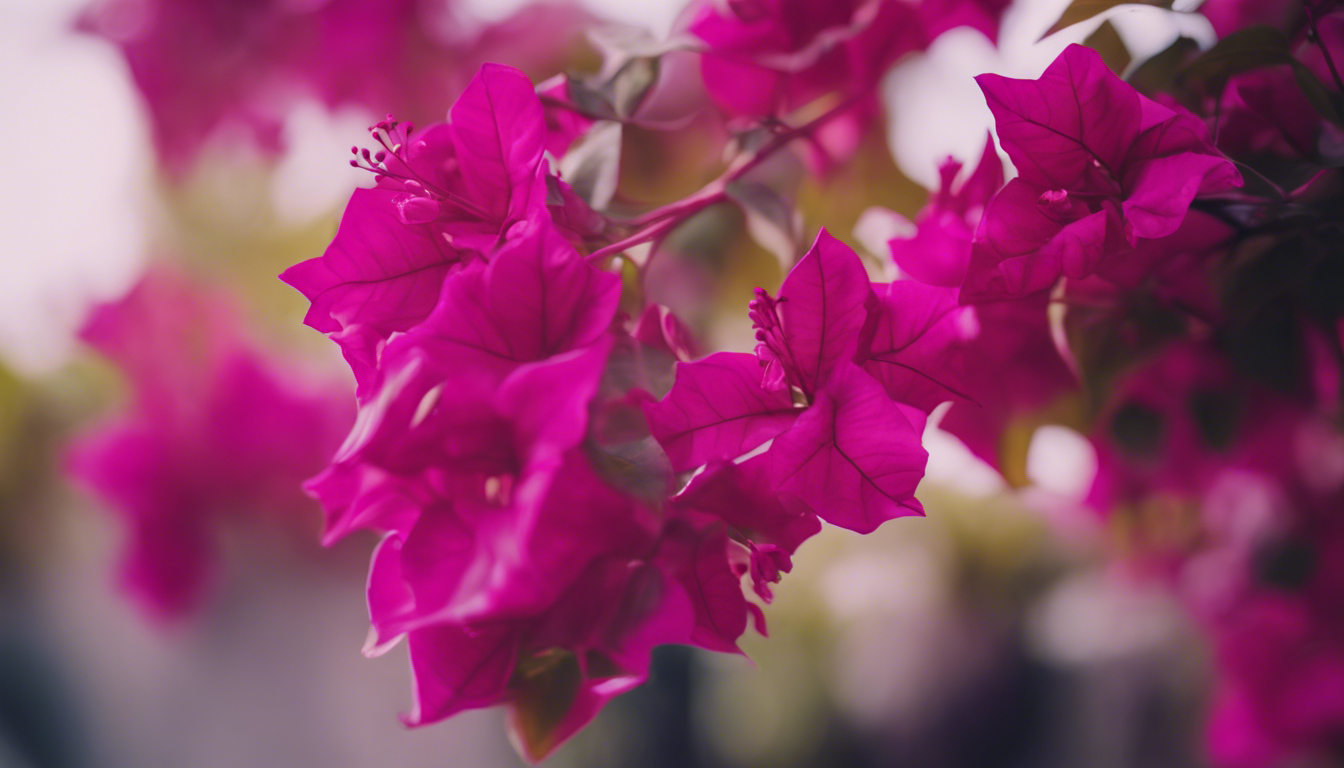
(664, 219)
(1329, 61)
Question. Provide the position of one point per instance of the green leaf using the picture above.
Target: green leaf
(1247, 49)
(637, 466)
(630, 84)
(771, 220)
(544, 687)
(1082, 10)
(1158, 73)
(1106, 41)
(592, 166)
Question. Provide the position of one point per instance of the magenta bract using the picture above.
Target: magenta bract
(215, 431)
(1100, 168)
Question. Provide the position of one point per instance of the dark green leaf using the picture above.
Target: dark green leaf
(545, 687)
(1215, 417)
(1254, 48)
(1106, 41)
(590, 97)
(1247, 49)
(628, 87)
(1286, 564)
(1158, 73)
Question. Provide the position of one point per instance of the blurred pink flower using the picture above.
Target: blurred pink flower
(216, 430)
(1100, 169)
(207, 65)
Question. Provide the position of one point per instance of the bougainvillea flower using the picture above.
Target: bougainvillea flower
(200, 66)
(1229, 16)
(917, 347)
(1265, 113)
(445, 196)
(210, 65)
(531, 555)
(765, 57)
(1100, 168)
(848, 452)
(1181, 420)
(535, 299)
(940, 249)
(215, 431)
(981, 15)
(774, 525)
(1001, 362)
(1280, 644)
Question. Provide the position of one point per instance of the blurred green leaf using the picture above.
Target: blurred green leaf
(592, 166)
(772, 222)
(1158, 73)
(629, 86)
(545, 688)
(1106, 41)
(1082, 10)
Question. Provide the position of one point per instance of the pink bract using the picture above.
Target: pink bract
(216, 431)
(209, 66)
(999, 363)
(446, 196)
(530, 547)
(847, 451)
(1100, 168)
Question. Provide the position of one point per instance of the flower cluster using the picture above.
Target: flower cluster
(1163, 274)
(216, 431)
(769, 57)
(558, 485)
(534, 549)
(209, 65)
(562, 482)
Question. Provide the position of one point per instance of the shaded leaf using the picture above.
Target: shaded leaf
(1106, 41)
(1082, 10)
(1158, 73)
(772, 222)
(544, 687)
(628, 87)
(592, 166)
(619, 43)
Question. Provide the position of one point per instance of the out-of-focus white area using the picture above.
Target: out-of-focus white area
(656, 15)
(951, 464)
(936, 109)
(1091, 617)
(269, 673)
(314, 177)
(72, 205)
(1061, 461)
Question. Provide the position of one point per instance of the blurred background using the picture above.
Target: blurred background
(994, 632)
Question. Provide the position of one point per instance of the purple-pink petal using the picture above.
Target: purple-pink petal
(854, 456)
(823, 307)
(717, 409)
